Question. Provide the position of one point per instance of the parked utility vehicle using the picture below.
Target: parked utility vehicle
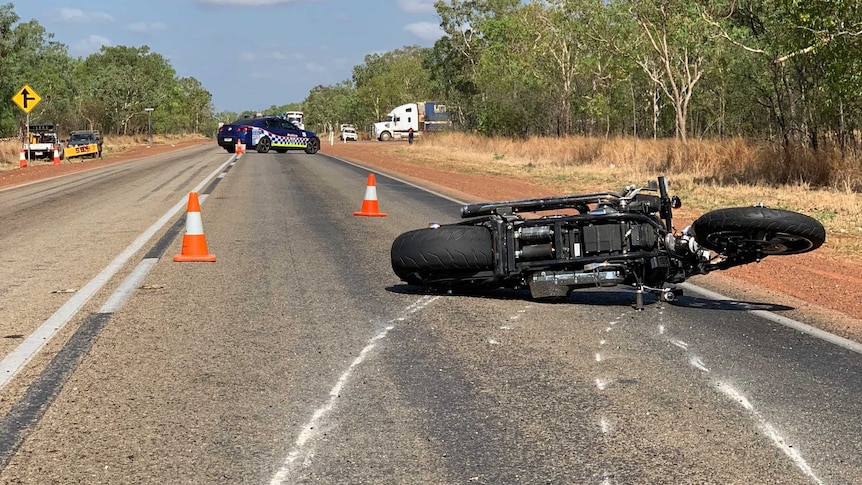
(42, 143)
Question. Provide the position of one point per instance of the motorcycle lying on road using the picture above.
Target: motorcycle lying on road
(600, 239)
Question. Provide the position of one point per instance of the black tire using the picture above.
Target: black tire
(385, 136)
(313, 146)
(264, 144)
(758, 229)
(449, 256)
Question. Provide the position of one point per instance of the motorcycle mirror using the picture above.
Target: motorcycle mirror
(675, 202)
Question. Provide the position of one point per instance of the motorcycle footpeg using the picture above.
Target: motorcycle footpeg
(670, 294)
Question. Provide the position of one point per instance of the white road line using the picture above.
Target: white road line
(124, 291)
(770, 431)
(815, 332)
(18, 358)
(303, 446)
(787, 322)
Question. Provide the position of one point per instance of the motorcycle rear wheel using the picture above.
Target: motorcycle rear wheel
(769, 231)
(448, 256)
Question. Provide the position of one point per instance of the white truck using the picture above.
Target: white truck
(42, 143)
(422, 116)
(295, 117)
(348, 132)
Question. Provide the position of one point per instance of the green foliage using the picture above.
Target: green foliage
(388, 80)
(787, 71)
(107, 91)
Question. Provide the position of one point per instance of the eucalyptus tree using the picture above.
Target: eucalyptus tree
(29, 56)
(391, 79)
(117, 83)
(673, 48)
(807, 62)
(188, 108)
(454, 63)
(46, 67)
(327, 106)
(10, 43)
(514, 97)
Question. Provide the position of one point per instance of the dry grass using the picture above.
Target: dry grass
(732, 172)
(10, 150)
(711, 174)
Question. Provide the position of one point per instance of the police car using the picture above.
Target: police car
(267, 133)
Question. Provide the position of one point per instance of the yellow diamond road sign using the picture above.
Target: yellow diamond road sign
(26, 98)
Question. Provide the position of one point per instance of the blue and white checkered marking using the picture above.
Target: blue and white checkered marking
(278, 140)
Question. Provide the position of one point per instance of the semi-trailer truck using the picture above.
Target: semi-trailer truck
(422, 116)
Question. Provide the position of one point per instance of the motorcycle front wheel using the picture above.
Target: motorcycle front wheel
(448, 256)
(768, 231)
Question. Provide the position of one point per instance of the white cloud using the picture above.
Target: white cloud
(425, 30)
(417, 6)
(146, 27)
(90, 45)
(78, 16)
(248, 56)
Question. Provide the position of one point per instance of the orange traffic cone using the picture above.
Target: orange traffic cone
(56, 157)
(194, 242)
(239, 147)
(369, 205)
(22, 160)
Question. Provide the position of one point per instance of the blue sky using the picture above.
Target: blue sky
(250, 54)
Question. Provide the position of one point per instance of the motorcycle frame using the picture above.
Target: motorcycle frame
(567, 233)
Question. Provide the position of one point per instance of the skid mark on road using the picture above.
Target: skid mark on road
(512, 319)
(303, 446)
(769, 430)
(697, 363)
(606, 427)
(729, 391)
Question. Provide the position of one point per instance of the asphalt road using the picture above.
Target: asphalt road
(298, 356)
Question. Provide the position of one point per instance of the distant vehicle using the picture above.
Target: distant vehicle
(422, 117)
(267, 133)
(84, 143)
(295, 117)
(348, 134)
(42, 143)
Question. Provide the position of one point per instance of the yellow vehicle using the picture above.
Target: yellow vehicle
(84, 144)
